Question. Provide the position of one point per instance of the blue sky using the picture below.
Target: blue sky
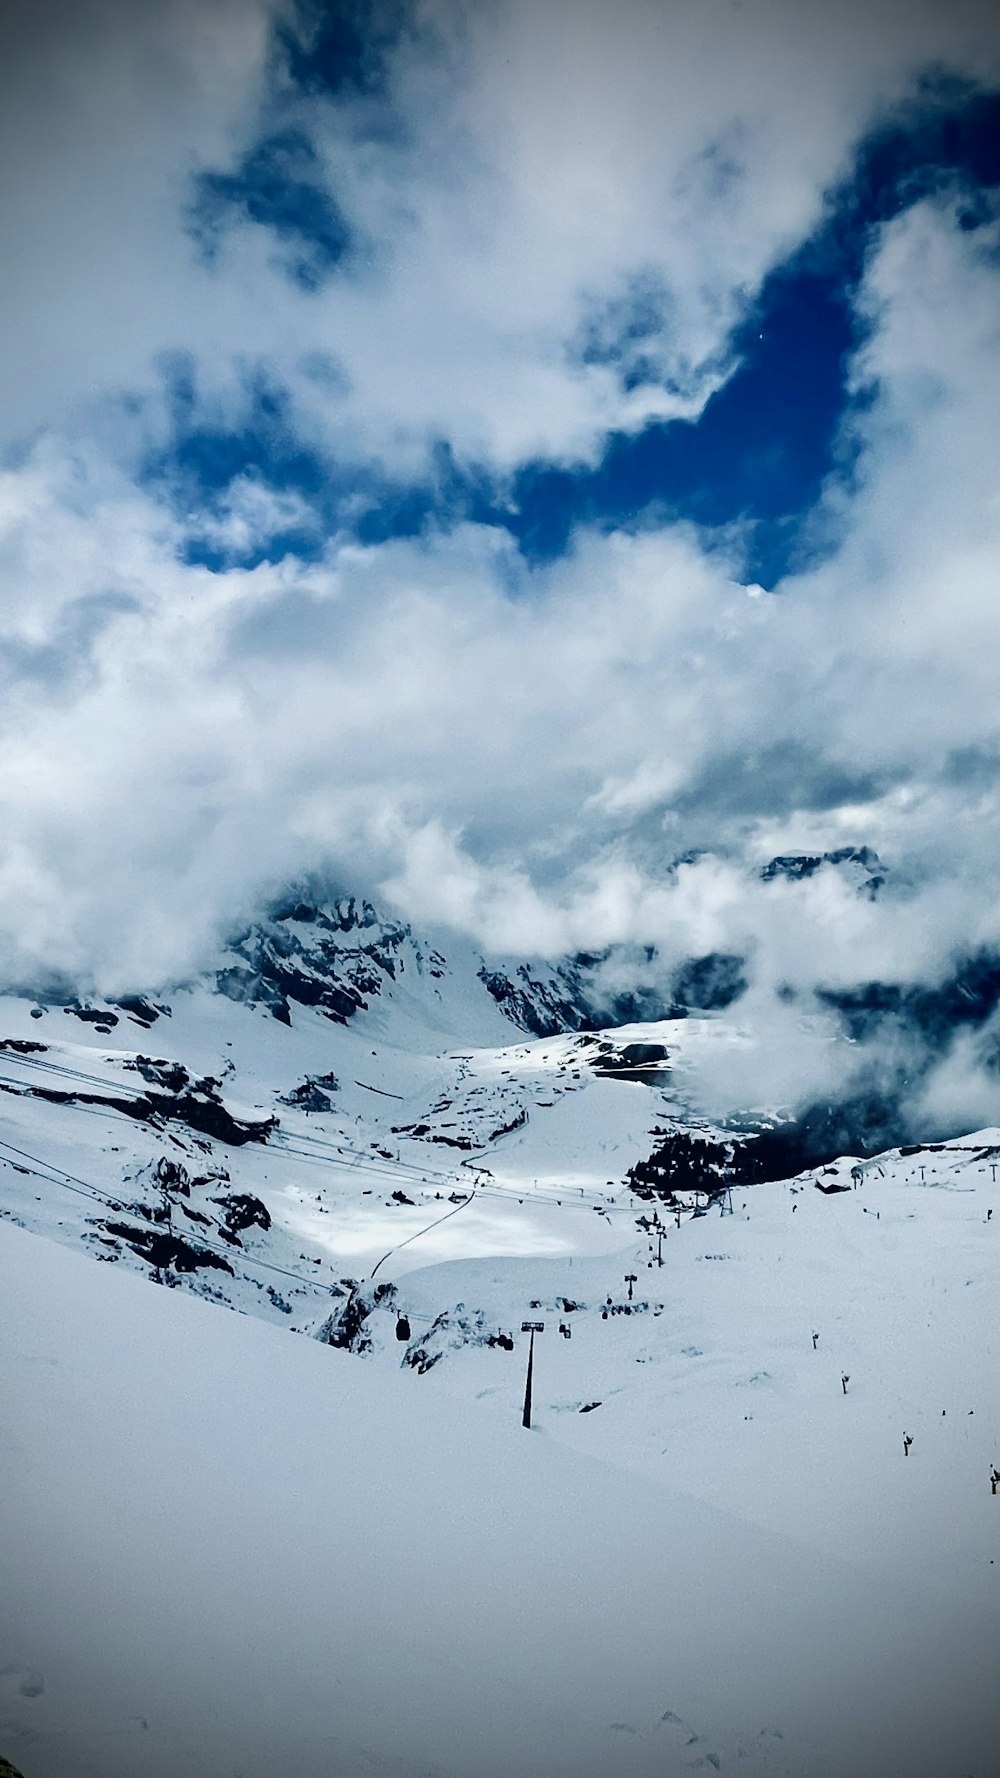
(757, 455)
(492, 452)
(763, 446)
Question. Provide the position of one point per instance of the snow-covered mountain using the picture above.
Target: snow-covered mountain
(313, 947)
(375, 1140)
(327, 1037)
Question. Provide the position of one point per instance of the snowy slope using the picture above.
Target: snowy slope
(709, 1380)
(242, 1554)
(405, 1123)
(401, 1178)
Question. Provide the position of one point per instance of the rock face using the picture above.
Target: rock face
(967, 997)
(337, 957)
(578, 995)
(860, 863)
(710, 984)
(340, 956)
(346, 1329)
(543, 1002)
(172, 1095)
(181, 1221)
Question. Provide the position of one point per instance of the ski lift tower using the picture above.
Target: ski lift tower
(530, 1327)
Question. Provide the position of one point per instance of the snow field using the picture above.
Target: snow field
(238, 1553)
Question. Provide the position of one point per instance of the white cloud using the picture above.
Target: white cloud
(543, 158)
(961, 1093)
(518, 752)
(522, 766)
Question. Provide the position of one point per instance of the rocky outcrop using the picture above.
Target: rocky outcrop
(312, 1094)
(336, 957)
(544, 1004)
(166, 1251)
(346, 1329)
(860, 863)
(191, 1101)
(449, 1332)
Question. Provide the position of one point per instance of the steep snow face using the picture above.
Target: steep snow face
(342, 956)
(236, 1553)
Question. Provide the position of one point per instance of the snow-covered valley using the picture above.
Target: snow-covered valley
(751, 1528)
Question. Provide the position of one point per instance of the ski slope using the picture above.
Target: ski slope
(240, 1554)
(277, 1555)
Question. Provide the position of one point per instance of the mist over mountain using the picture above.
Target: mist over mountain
(886, 1080)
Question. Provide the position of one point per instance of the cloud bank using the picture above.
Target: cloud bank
(450, 252)
(521, 752)
(550, 221)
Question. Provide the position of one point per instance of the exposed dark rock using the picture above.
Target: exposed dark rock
(346, 1328)
(574, 994)
(172, 1075)
(968, 996)
(450, 1331)
(93, 1015)
(544, 1008)
(313, 1093)
(166, 1250)
(338, 964)
(626, 1058)
(242, 1211)
(138, 1009)
(421, 1360)
(517, 1122)
(708, 984)
(206, 1114)
(173, 1177)
(795, 866)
